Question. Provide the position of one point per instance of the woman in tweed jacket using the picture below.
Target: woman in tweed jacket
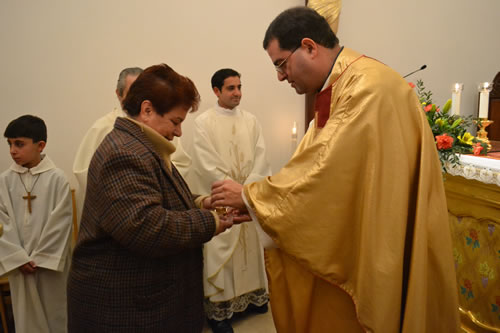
(137, 266)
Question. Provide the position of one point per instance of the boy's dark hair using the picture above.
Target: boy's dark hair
(296, 23)
(27, 126)
(222, 74)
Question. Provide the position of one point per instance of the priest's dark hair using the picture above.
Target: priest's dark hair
(164, 88)
(27, 126)
(222, 74)
(294, 24)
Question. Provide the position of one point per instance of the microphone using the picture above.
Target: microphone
(418, 70)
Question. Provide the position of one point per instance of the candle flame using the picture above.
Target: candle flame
(457, 87)
(485, 86)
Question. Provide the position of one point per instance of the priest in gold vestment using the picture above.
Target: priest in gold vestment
(358, 216)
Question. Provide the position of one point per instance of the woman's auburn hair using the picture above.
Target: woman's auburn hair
(164, 88)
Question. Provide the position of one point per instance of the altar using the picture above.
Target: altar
(473, 196)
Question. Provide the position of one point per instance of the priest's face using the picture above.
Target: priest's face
(167, 125)
(290, 65)
(230, 96)
(25, 152)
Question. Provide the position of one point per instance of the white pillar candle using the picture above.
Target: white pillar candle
(456, 97)
(294, 136)
(483, 104)
(484, 94)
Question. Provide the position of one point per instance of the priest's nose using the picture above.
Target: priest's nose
(178, 131)
(281, 76)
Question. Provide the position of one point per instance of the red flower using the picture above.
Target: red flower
(411, 85)
(428, 108)
(477, 149)
(468, 284)
(473, 234)
(444, 141)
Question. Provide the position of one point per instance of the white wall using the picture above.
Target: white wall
(458, 40)
(60, 59)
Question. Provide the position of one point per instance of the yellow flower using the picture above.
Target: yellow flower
(466, 138)
(440, 122)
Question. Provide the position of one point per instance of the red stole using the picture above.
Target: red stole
(322, 107)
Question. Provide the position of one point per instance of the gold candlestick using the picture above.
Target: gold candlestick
(482, 135)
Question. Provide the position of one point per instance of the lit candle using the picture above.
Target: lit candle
(484, 94)
(456, 97)
(294, 136)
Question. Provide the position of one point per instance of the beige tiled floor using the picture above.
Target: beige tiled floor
(253, 323)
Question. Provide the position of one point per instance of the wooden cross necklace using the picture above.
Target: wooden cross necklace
(29, 197)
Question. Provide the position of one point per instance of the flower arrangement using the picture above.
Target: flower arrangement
(450, 131)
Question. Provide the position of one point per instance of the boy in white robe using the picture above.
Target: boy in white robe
(228, 144)
(36, 211)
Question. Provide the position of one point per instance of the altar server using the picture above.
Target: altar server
(36, 210)
(228, 144)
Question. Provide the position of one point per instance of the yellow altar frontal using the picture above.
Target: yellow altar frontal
(473, 195)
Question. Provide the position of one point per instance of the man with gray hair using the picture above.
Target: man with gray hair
(102, 127)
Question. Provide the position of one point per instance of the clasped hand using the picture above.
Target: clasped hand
(227, 193)
(28, 268)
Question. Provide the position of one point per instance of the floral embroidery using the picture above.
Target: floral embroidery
(473, 239)
(466, 289)
(487, 273)
(458, 257)
(491, 229)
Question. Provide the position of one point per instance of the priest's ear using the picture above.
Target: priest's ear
(310, 46)
(217, 92)
(41, 145)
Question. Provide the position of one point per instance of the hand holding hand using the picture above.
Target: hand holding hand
(207, 203)
(227, 193)
(239, 217)
(225, 222)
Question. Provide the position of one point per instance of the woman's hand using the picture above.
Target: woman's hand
(225, 222)
(207, 203)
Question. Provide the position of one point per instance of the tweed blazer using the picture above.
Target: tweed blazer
(137, 265)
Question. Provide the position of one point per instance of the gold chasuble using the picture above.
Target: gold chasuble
(359, 214)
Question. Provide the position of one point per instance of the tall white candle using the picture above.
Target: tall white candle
(456, 97)
(483, 104)
(294, 137)
(484, 94)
